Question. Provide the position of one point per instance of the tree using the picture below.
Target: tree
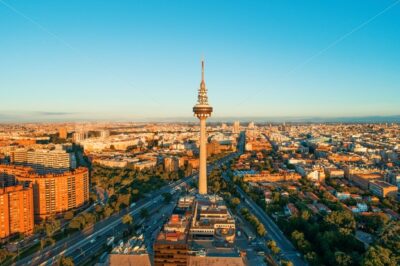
(235, 202)
(127, 219)
(88, 218)
(216, 186)
(305, 215)
(300, 242)
(261, 229)
(144, 213)
(342, 259)
(3, 255)
(271, 244)
(51, 227)
(66, 261)
(390, 237)
(286, 263)
(69, 215)
(378, 256)
(108, 211)
(167, 197)
(311, 257)
(75, 224)
(342, 220)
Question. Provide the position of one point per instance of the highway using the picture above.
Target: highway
(150, 228)
(66, 246)
(79, 242)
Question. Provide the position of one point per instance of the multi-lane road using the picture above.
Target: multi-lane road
(91, 238)
(67, 246)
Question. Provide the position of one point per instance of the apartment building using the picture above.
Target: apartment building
(45, 160)
(57, 193)
(16, 210)
(53, 193)
(382, 189)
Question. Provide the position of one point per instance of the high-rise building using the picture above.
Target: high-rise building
(62, 133)
(16, 210)
(44, 160)
(202, 110)
(171, 164)
(236, 127)
(53, 193)
(78, 136)
(104, 134)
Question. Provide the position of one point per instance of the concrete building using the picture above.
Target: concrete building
(212, 221)
(236, 127)
(62, 133)
(266, 176)
(78, 136)
(199, 227)
(16, 210)
(382, 189)
(53, 193)
(45, 160)
(202, 110)
(130, 252)
(171, 164)
(171, 246)
(104, 134)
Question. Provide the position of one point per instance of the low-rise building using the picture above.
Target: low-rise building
(383, 189)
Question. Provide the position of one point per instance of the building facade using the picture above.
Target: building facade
(44, 160)
(52, 193)
(16, 210)
(62, 133)
(56, 193)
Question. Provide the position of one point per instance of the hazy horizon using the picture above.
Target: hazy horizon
(44, 117)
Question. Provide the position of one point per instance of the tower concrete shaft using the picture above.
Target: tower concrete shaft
(202, 110)
(203, 157)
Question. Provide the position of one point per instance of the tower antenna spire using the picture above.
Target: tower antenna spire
(202, 68)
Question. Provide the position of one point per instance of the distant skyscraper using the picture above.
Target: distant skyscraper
(202, 110)
(251, 125)
(78, 136)
(104, 134)
(236, 127)
(62, 133)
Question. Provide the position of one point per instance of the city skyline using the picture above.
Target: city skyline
(137, 61)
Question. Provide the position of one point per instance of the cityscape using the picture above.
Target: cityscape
(209, 181)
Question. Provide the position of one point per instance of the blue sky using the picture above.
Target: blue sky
(129, 60)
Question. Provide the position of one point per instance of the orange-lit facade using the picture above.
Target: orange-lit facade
(53, 193)
(266, 176)
(16, 210)
(57, 193)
